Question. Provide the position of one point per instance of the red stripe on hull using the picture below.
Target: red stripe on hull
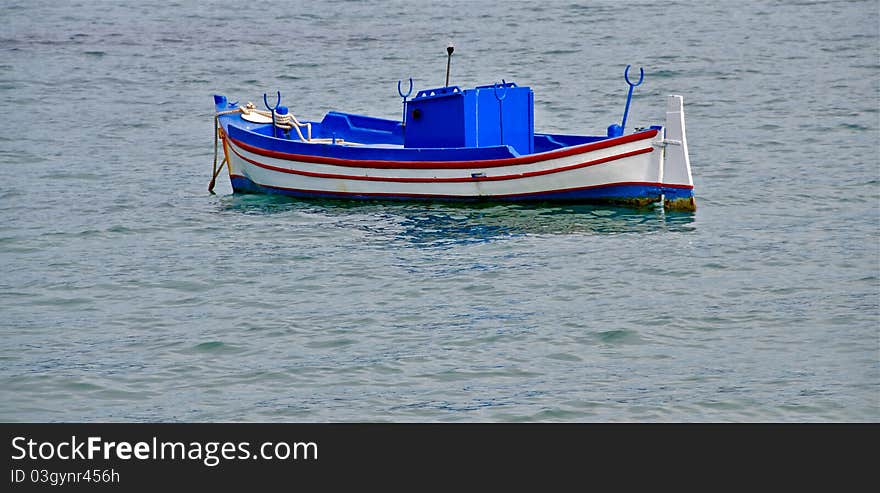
(446, 180)
(487, 163)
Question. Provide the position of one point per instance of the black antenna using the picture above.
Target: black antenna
(449, 50)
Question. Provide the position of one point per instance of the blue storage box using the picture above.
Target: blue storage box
(499, 114)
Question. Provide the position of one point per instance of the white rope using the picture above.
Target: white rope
(289, 121)
(285, 122)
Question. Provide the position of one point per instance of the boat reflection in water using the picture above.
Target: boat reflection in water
(437, 224)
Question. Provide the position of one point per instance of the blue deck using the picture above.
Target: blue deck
(374, 133)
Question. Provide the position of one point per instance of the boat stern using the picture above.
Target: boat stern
(676, 179)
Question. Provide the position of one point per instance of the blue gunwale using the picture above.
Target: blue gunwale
(256, 141)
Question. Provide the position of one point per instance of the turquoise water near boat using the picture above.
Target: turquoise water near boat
(129, 293)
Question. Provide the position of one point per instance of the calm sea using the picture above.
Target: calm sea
(128, 293)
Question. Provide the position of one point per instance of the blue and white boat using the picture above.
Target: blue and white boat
(456, 144)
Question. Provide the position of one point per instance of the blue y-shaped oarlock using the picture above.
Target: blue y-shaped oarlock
(630, 94)
(272, 109)
(404, 96)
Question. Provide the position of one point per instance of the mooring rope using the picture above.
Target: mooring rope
(217, 170)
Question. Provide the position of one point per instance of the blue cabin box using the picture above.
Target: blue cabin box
(498, 114)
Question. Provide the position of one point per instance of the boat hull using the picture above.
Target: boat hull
(624, 170)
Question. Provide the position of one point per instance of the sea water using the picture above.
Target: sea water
(129, 293)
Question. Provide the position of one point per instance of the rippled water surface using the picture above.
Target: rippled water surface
(128, 293)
